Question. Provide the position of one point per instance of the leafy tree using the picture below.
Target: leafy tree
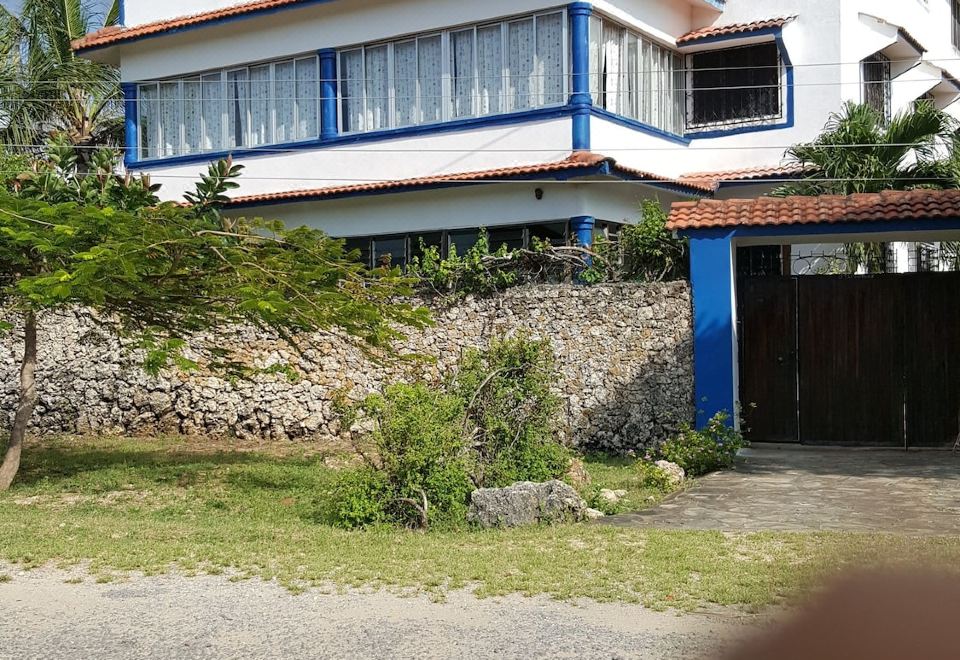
(44, 88)
(649, 251)
(160, 273)
(861, 152)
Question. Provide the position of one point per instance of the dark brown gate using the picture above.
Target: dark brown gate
(864, 360)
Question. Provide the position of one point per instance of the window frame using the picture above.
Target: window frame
(205, 78)
(447, 106)
(878, 62)
(955, 23)
(651, 109)
(694, 126)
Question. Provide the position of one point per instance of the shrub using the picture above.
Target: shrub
(649, 251)
(653, 477)
(511, 413)
(700, 452)
(416, 472)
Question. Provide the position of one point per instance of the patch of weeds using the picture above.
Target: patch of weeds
(5, 577)
(73, 580)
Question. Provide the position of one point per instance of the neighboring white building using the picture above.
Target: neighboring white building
(387, 121)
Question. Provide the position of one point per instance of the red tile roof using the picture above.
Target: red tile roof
(575, 161)
(758, 174)
(115, 34)
(826, 209)
(735, 28)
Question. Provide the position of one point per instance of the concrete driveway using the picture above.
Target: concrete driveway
(788, 488)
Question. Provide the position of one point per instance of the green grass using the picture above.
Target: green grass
(122, 506)
(619, 473)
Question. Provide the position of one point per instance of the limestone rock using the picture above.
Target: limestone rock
(526, 503)
(577, 474)
(594, 514)
(673, 471)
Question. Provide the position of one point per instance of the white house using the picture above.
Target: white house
(391, 121)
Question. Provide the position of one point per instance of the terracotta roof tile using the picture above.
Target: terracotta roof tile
(735, 28)
(114, 34)
(575, 161)
(760, 174)
(826, 209)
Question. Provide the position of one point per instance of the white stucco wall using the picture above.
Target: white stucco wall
(412, 157)
(467, 207)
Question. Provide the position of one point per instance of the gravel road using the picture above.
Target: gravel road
(211, 617)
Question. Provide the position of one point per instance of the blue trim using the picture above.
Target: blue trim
(580, 99)
(638, 126)
(374, 136)
(122, 17)
(777, 34)
(714, 345)
(329, 126)
(130, 123)
(197, 26)
(581, 227)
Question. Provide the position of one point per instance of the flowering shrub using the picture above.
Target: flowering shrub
(700, 452)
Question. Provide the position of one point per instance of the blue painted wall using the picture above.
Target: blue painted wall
(714, 347)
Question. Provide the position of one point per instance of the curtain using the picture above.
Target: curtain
(170, 119)
(351, 86)
(461, 72)
(490, 67)
(612, 71)
(521, 65)
(631, 105)
(550, 49)
(430, 60)
(596, 57)
(377, 89)
(212, 112)
(148, 121)
(308, 98)
(285, 93)
(238, 108)
(192, 116)
(260, 122)
(405, 82)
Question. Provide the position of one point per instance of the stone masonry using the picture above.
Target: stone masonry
(624, 353)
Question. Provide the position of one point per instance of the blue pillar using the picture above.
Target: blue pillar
(580, 100)
(714, 338)
(328, 94)
(582, 229)
(130, 123)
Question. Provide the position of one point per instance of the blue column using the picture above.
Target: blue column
(328, 94)
(130, 123)
(580, 100)
(714, 338)
(582, 229)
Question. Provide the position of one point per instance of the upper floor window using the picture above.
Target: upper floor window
(248, 106)
(633, 76)
(955, 22)
(735, 85)
(877, 91)
(466, 72)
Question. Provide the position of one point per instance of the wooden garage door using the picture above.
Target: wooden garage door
(876, 359)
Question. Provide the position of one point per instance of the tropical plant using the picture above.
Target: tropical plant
(161, 273)
(649, 251)
(860, 151)
(44, 88)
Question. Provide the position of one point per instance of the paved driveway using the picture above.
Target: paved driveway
(811, 489)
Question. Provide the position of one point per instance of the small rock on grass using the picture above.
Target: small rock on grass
(526, 503)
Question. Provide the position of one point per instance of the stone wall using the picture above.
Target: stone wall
(624, 353)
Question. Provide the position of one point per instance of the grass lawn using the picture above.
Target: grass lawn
(154, 505)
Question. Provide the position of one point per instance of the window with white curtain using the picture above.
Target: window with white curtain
(263, 104)
(471, 71)
(635, 77)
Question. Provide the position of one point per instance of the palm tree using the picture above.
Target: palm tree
(44, 88)
(862, 152)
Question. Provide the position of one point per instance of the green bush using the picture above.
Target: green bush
(653, 477)
(700, 452)
(511, 412)
(492, 424)
(416, 470)
(649, 251)
(462, 274)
